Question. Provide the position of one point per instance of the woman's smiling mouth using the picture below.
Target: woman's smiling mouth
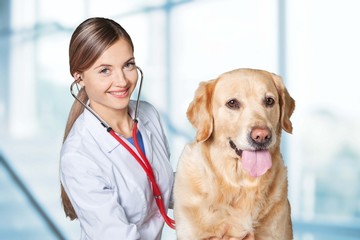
(120, 94)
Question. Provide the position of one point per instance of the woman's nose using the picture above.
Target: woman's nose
(120, 79)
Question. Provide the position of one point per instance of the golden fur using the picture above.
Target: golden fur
(214, 197)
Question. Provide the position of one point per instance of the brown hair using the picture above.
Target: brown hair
(89, 40)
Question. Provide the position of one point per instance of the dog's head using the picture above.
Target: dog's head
(244, 109)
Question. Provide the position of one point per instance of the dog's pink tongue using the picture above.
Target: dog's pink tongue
(256, 162)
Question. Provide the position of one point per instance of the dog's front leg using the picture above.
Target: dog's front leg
(277, 225)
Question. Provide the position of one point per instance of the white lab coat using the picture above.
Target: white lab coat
(109, 190)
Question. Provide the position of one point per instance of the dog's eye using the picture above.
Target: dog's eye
(269, 101)
(233, 104)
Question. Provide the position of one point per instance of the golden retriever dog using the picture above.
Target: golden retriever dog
(231, 183)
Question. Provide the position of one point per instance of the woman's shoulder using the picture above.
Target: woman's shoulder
(79, 137)
(80, 147)
(146, 108)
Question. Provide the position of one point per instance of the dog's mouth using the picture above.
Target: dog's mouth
(237, 150)
(255, 162)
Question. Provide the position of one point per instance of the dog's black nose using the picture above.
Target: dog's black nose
(260, 135)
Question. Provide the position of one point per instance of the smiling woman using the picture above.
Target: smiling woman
(109, 83)
(98, 176)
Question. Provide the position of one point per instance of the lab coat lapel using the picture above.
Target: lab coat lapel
(147, 139)
(143, 127)
(99, 132)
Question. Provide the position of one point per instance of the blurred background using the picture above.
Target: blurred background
(312, 44)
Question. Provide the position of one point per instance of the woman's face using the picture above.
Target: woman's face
(110, 81)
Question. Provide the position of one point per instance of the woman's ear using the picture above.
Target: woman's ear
(78, 77)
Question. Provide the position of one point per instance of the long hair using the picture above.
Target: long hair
(89, 40)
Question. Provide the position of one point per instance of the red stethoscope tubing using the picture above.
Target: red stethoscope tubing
(144, 163)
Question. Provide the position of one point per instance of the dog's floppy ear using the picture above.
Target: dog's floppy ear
(287, 104)
(199, 111)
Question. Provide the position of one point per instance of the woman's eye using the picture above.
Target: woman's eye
(105, 71)
(233, 104)
(129, 66)
(269, 102)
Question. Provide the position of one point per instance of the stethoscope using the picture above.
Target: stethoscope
(140, 157)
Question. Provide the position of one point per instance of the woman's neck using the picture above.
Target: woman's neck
(119, 120)
(122, 125)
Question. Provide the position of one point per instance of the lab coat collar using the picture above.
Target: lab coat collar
(109, 143)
